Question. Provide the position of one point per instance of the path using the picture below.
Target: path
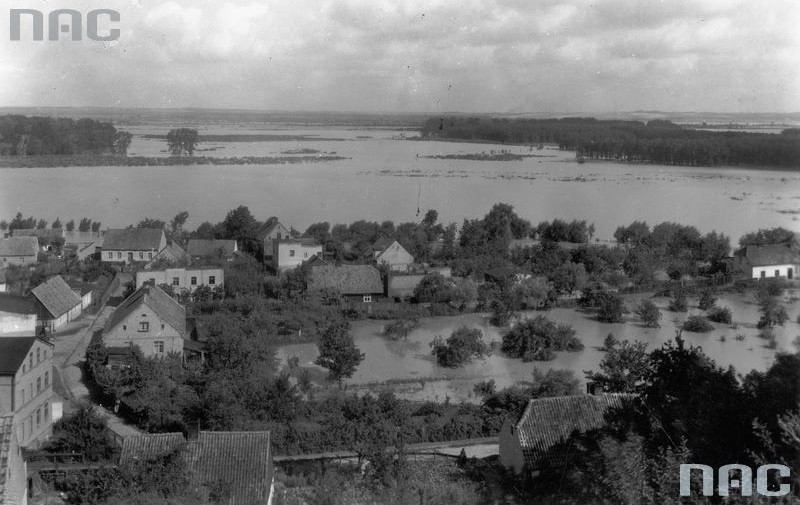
(71, 343)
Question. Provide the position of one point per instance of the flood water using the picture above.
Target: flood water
(384, 178)
(412, 372)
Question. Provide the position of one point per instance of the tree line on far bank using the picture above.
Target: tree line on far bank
(656, 141)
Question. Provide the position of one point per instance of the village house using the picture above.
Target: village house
(240, 461)
(390, 253)
(132, 245)
(182, 279)
(83, 289)
(13, 469)
(56, 303)
(17, 315)
(212, 249)
(291, 253)
(149, 319)
(26, 388)
(271, 232)
(355, 283)
(84, 244)
(172, 254)
(18, 251)
(50, 239)
(401, 285)
(536, 441)
(765, 261)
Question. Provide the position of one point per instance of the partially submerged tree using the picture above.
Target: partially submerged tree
(338, 352)
(461, 347)
(182, 141)
(649, 313)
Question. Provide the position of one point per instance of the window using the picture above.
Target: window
(176, 281)
(46, 412)
(367, 298)
(124, 327)
(149, 255)
(46, 379)
(763, 274)
(38, 385)
(777, 273)
(212, 279)
(30, 360)
(144, 326)
(194, 281)
(23, 394)
(119, 255)
(38, 417)
(141, 255)
(291, 252)
(162, 326)
(158, 346)
(38, 356)
(110, 255)
(23, 368)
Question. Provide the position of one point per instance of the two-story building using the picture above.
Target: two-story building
(132, 245)
(19, 251)
(17, 315)
(56, 303)
(26, 388)
(149, 319)
(273, 231)
(291, 253)
(182, 279)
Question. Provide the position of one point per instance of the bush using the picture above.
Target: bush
(648, 313)
(720, 315)
(401, 327)
(697, 324)
(538, 339)
(772, 314)
(678, 302)
(611, 308)
(463, 345)
(707, 299)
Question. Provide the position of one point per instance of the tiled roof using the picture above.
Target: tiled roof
(766, 255)
(547, 422)
(170, 311)
(42, 233)
(304, 241)
(13, 351)
(268, 228)
(19, 246)
(80, 237)
(242, 460)
(56, 296)
(210, 248)
(382, 243)
(16, 304)
(80, 286)
(347, 279)
(133, 239)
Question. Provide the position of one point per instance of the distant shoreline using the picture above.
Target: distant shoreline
(55, 161)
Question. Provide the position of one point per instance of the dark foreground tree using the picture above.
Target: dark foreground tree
(338, 353)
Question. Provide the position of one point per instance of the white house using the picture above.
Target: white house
(272, 231)
(531, 443)
(182, 279)
(392, 254)
(56, 303)
(149, 319)
(765, 261)
(131, 245)
(290, 253)
(17, 315)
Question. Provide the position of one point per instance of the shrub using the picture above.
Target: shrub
(678, 302)
(697, 324)
(720, 315)
(463, 345)
(611, 308)
(539, 338)
(401, 327)
(772, 314)
(707, 299)
(648, 313)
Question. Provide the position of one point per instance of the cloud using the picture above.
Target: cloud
(471, 55)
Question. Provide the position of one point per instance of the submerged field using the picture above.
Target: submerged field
(407, 366)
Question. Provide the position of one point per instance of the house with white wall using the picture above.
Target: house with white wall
(17, 315)
(56, 303)
(182, 279)
(132, 245)
(768, 261)
(19, 251)
(291, 253)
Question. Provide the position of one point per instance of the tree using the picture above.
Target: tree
(623, 369)
(610, 308)
(122, 141)
(720, 315)
(461, 347)
(697, 324)
(56, 224)
(70, 226)
(767, 236)
(41, 225)
(86, 433)
(538, 338)
(435, 288)
(678, 302)
(649, 313)
(707, 299)
(85, 224)
(772, 314)
(338, 353)
(569, 277)
(155, 224)
(182, 141)
(96, 226)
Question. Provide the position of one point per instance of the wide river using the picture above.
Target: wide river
(387, 178)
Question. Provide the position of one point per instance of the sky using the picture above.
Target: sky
(502, 56)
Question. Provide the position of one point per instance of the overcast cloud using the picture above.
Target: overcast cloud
(419, 55)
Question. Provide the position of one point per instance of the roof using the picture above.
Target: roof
(80, 286)
(382, 243)
(268, 228)
(43, 233)
(13, 351)
(347, 279)
(210, 247)
(133, 239)
(547, 422)
(242, 460)
(16, 304)
(766, 255)
(304, 241)
(19, 246)
(170, 311)
(56, 296)
(80, 237)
